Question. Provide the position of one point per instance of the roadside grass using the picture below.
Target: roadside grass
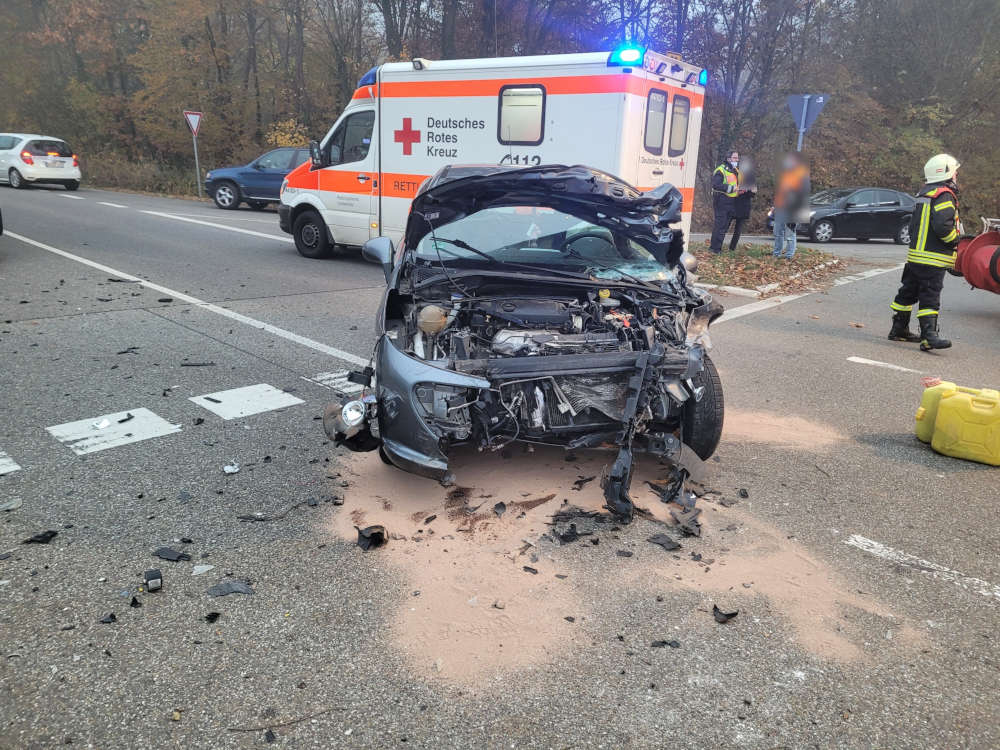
(753, 266)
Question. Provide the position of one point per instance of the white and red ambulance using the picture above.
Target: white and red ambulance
(632, 112)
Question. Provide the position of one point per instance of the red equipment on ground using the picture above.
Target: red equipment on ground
(978, 258)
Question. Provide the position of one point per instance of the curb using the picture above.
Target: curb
(765, 288)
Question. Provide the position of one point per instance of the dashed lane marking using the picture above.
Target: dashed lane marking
(113, 205)
(71, 197)
(886, 365)
(176, 217)
(111, 430)
(267, 327)
(242, 402)
(7, 464)
(764, 304)
(338, 382)
(940, 572)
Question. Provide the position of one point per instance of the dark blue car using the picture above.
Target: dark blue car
(256, 183)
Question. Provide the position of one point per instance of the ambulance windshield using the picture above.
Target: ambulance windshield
(542, 237)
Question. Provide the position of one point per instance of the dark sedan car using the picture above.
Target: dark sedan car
(544, 305)
(257, 183)
(861, 213)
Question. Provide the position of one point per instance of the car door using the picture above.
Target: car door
(349, 184)
(261, 179)
(7, 143)
(888, 214)
(857, 220)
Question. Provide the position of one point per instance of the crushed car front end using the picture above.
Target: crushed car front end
(548, 306)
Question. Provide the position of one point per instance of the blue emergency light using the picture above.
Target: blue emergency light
(369, 78)
(703, 78)
(627, 54)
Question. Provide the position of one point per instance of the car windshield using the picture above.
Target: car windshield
(541, 237)
(826, 197)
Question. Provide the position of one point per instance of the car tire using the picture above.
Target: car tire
(903, 235)
(702, 420)
(73, 185)
(311, 239)
(257, 205)
(226, 195)
(821, 231)
(15, 180)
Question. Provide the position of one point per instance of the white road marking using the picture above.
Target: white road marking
(176, 217)
(270, 221)
(975, 585)
(7, 464)
(337, 381)
(71, 197)
(765, 304)
(242, 402)
(83, 436)
(113, 205)
(865, 275)
(886, 365)
(274, 330)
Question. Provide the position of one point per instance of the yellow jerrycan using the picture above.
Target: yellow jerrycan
(927, 413)
(968, 424)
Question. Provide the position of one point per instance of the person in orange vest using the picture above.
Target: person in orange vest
(935, 229)
(726, 188)
(789, 199)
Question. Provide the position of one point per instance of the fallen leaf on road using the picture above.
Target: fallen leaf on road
(856, 325)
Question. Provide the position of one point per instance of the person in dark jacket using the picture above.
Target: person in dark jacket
(726, 190)
(935, 229)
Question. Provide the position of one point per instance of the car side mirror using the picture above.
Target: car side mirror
(379, 250)
(316, 155)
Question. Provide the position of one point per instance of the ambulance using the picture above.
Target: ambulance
(632, 112)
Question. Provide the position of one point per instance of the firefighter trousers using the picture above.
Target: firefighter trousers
(920, 284)
(723, 216)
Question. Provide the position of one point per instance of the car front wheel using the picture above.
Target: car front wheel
(822, 231)
(903, 234)
(703, 419)
(16, 180)
(73, 185)
(226, 195)
(311, 239)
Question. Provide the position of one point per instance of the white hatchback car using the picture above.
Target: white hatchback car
(27, 159)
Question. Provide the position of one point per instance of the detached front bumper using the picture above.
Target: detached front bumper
(285, 218)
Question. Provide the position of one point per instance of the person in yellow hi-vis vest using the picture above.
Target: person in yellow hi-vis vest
(726, 188)
(935, 229)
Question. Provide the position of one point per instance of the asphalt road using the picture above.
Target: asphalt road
(869, 565)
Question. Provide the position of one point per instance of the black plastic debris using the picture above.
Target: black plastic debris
(372, 537)
(166, 553)
(197, 364)
(127, 418)
(687, 521)
(696, 556)
(624, 553)
(43, 537)
(569, 535)
(153, 579)
(212, 617)
(721, 616)
(135, 603)
(664, 541)
(270, 737)
(500, 509)
(529, 569)
(569, 619)
(198, 421)
(165, 299)
(108, 618)
(129, 350)
(743, 493)
(580, 483)
(664, 644)
(429, 519)
(229, 587)
(213, 400)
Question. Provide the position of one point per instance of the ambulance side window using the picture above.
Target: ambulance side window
(352, 139)
(521, 119)
(679, 126)
(656, 120)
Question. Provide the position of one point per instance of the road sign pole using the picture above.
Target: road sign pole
(802, 121)
(197, 167)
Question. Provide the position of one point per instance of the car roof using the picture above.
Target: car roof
(35, 137)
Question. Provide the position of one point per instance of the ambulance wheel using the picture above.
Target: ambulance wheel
(226, 195)
(16, 180)
(903, 235)
(72, 185)
(702, 420)
(821, 231)
(310, 235)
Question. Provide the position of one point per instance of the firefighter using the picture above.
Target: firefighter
(934, 232)
(726, 181)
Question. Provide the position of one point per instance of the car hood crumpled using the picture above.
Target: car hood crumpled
(588, 194)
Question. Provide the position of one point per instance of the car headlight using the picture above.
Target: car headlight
(284, 184)
(811, 214)
(208, 176)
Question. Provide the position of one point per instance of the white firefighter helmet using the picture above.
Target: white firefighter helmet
(941, 168)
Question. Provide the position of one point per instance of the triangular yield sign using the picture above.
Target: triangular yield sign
(193, 121)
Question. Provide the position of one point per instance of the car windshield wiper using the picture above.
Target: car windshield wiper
(499, 261)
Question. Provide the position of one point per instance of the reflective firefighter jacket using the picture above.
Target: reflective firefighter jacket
(725, 181)
(934, 227)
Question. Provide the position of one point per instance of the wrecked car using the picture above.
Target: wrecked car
(549, 305)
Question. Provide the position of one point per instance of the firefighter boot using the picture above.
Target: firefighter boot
(900, 330)
(929, 338)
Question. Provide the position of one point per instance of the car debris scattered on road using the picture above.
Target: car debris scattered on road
(723, 617)
(229, 587)
(166, 553)
(43, 537)
(372, 537)
(153, 579)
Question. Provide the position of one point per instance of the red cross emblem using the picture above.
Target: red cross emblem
(681, 165)
(407, 136)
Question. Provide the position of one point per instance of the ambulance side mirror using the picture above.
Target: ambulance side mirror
(316, 155)
(379, 250)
